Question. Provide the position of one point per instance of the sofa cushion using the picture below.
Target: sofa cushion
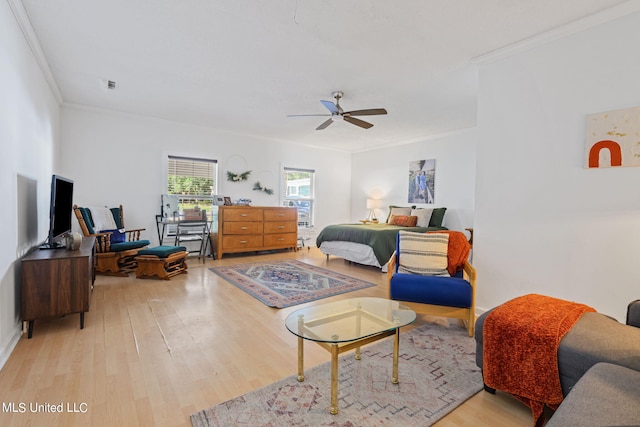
(596, 338)
(424, 254)
(446, 291)
(115, 212)
(162, 251)
(607, 395)
(125, 246)
(86, 216)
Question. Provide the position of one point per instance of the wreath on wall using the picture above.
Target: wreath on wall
(238, 177)
(258, 187)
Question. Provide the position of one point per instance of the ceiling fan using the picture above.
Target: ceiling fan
(337, 113)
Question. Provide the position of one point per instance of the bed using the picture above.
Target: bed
(369, 244)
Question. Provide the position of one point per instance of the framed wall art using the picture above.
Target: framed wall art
(612, 139)
(422, 174)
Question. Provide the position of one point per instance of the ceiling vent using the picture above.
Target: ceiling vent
(111, 85)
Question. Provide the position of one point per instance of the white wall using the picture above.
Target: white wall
(384, 174)
(29, 116)
(121, 159)
(543, 223)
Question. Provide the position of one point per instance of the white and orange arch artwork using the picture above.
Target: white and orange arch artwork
(613, 139)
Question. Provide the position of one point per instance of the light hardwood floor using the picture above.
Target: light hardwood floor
(153, 352)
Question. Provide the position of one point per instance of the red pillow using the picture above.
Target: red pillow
(403, 220)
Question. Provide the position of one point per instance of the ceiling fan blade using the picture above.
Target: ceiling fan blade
(308, 115)
(367, 112)
(330, 106)
(324, 124)
(357, 122)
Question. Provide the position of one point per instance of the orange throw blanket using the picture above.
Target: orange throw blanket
(457, 251)
(520, 350)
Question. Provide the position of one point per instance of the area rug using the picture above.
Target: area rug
(288, 282)
(437, 373)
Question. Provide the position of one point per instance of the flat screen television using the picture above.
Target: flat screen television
(60, 211)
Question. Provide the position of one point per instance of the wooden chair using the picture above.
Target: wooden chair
(452, 297)
(115, 253)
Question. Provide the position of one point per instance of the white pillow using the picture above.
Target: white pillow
(423, 253)
(102, 219)
(424, 216)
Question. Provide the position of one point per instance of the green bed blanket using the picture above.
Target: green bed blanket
(380, 237)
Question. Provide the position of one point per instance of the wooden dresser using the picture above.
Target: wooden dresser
(256, 228)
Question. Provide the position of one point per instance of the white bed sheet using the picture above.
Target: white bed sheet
(355, 252)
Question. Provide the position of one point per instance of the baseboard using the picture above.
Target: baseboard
(8, 347)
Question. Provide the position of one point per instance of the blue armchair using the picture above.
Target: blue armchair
(449, 296)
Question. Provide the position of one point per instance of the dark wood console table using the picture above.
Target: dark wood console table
(56, 282)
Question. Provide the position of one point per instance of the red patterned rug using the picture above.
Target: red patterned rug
(437, 373)
(288, 282)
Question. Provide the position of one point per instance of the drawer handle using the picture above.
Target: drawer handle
(280, 214)
(281, 227)
(244, 228)
(280, 239)
(242, 242)
(244, 214)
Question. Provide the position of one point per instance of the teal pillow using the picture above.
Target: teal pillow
(437, 217)
(116, 217)
(86, 216)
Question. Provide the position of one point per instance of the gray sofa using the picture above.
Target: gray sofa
(607, 395)
(595, 338)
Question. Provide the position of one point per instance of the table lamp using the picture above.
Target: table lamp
(372, 204)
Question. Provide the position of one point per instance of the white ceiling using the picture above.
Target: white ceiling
(244, 65)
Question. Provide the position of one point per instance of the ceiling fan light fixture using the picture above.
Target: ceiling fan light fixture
(336, 113)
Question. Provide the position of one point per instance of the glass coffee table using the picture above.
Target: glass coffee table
(346, 325)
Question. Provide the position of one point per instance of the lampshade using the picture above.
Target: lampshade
(372, 203)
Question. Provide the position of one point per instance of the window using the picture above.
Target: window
(298, 191)
(193, 180)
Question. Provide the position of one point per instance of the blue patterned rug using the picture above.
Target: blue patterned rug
(288, 282)
(436, 370)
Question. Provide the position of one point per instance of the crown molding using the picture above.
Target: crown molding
(577, 26)
(30, 36)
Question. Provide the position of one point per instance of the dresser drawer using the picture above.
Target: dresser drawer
(280, 227)
(284, 240)
(239, 242)
(281, 214)
(242, 214)
(238, 227)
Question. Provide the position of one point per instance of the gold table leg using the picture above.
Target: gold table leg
(334, 380)
(396, 346)
(300, 359)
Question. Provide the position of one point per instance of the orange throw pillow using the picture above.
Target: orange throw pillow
(403, 220)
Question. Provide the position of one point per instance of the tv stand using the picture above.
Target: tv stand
(57, 282)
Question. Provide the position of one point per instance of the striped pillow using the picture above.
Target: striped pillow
(424, 254)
